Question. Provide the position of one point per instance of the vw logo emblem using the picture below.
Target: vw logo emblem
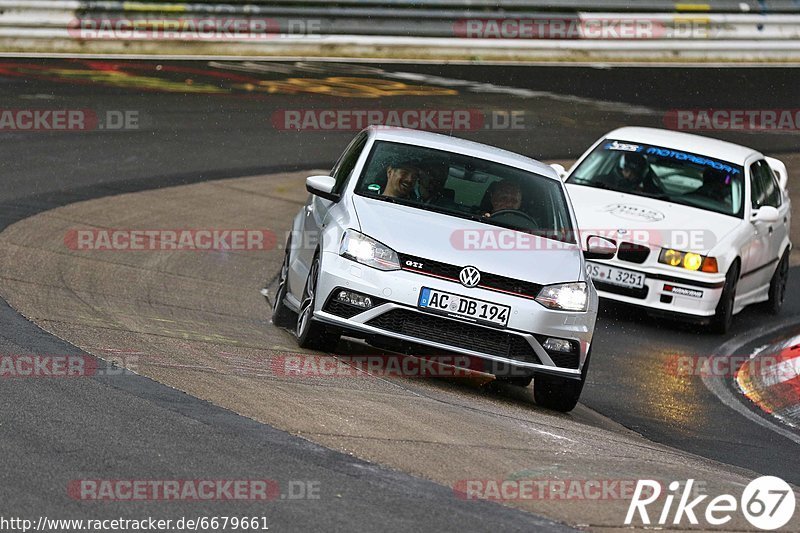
(469, 276)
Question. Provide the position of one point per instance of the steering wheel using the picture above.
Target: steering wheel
(513, 216)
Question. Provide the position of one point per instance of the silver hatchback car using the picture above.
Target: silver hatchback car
(428, 244)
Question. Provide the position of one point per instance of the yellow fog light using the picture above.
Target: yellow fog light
(673, 258)
(692, 261)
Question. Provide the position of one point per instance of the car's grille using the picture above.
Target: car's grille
(623, 291)
(455, 333)
(345, 310)
(565, 360)
(342, 309)
(633, 253)
(489, 281)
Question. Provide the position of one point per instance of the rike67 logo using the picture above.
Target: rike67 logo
(767, 503)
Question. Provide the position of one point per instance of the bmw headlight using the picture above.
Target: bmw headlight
(565, 296)
(362, 249)
(688, 260)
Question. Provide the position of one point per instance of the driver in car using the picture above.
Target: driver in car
(505, 195)
(401, 179)
(633, 175)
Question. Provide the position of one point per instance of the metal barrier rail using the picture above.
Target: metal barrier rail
(410, 6)
(480, 27)
(53, 19)
(664, 6)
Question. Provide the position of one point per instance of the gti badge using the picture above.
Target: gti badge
(469, 276)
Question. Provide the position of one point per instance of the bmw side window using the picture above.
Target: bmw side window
(773, 189)
(764, 182)
(756, 188)
(344, 167)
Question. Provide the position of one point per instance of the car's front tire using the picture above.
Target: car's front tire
(557, 393)
(517, 381)
(282, 316)
(510, 374)
(310, 333)
(723, 317)
(777, 286)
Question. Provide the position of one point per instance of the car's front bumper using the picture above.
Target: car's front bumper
(397, 316)
(672, 291)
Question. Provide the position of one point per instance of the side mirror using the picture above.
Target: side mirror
(766, 214)
(599, 248)
(322, 186)
(560, 170)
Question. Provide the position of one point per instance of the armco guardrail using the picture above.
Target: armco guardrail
(506, 29)
(664, 6)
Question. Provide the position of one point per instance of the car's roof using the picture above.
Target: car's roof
(686, 142)
(461, 146)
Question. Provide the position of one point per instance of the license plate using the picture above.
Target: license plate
(449, 304)
(615, 276)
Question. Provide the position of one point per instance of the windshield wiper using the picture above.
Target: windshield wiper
(601, 185)
(656, 195)
(390, 199)
(470, 216)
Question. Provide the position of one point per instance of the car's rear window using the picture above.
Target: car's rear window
(466, 187)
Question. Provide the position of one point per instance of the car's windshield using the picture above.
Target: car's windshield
(665, 174)
(466, 187)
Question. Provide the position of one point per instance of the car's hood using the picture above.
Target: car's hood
(462, 242)
(627, 217)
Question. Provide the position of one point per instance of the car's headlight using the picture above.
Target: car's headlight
(566, 296)
(688, 260)
(358, 247)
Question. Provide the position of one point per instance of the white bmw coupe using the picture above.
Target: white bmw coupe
(701, 225)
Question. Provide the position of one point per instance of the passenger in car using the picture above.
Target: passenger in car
(432, 179)
(716, 185)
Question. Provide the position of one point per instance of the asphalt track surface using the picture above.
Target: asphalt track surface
(63, 429)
